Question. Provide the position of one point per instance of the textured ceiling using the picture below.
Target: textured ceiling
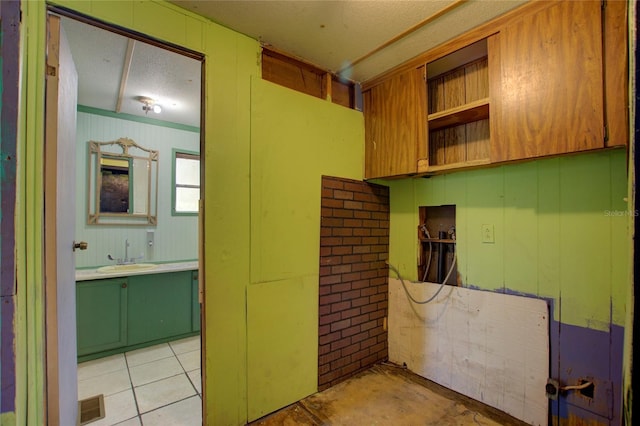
(334, 34)
(330, 34)
(171, 79)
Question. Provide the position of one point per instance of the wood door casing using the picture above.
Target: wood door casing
(395, 124)
(551, 83)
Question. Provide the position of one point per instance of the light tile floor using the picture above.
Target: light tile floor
(158, 385)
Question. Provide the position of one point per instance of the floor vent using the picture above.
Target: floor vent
(90, 409)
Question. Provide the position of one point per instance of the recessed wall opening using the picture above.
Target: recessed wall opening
(437, 244)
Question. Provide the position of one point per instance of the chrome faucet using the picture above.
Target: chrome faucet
(127, 260)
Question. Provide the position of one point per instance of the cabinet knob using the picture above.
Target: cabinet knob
(124, 285)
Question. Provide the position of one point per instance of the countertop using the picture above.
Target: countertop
(93, 274)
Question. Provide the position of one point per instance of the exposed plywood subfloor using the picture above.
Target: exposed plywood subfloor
(388, 395)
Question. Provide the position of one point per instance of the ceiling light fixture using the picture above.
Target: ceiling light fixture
(149, 104)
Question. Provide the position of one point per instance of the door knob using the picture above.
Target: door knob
(82, 245)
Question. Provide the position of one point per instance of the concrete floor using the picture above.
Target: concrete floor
(387, 395)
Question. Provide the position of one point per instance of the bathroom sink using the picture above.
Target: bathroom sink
(130, 267)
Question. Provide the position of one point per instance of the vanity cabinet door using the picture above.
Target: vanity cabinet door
(159, 306)
(101, 309)
(195, 302)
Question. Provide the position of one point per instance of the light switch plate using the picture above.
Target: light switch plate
(487, 234)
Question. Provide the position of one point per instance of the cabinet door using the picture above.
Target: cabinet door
(395, 124)
(101, 309)
(159, 306)
(195, 302)
(548, 96)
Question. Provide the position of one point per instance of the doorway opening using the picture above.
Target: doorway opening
(131, 340)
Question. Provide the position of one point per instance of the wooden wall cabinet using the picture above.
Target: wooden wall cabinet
(553, 80)
(394, 120)
(550, 83)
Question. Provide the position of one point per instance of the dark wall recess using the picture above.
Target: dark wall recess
(354, 245)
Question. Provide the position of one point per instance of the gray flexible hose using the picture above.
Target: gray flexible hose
(423, 302)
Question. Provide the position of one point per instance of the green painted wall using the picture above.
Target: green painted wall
(295, 139)
(264, 152)
(560, 231)
(231, 59)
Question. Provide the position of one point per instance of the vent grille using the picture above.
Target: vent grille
(90, 409)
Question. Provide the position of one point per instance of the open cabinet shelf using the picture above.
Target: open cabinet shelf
(467, 113)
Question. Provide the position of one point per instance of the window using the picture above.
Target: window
(186, 182)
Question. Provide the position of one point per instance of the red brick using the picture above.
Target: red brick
(342, 250)
(378, 249)
(370, 360)
(350, 331)
(353, 205)
(360, 301)
(377, 298)
(331, 202)
(332, 221)
(350, 313)
(361, 249)
(354, 276)
(384, 240)
(328, 338)
(324, 251)
(369, 274)
(360, 284)
(330, 356)
(339, 325)
(351, 349)
(342, 232)
(362, 353)
(329, 182)
(368, 308)
(362, 215)
(369, 291)
(383, 305)
(339, 363)
(340, 287)
(379, 281)
(369, 257)
(339, 344)
(324, 270)
(384, 288)
(364, 197)
(324, 349)
(370, 240)
(359, 337)
(340, 306)
(323, 369)
(326, 232)
(383, 224)
(328, 319)
(352, 240)
(329, 299)
(324, 310)
(377, 347)
(352, 258)
(342, 195)
(380, 215)
(330, 260)
(361, 266)
(367, 325)
(350, 295)
(350, 368)
(357, 187)
(353, 223)
(368, 342)
(342, 213)
(327, 193)
(330, 279)
(371, 223)
(330, 241)
(372, 207)
(362, 232)
(326, 212)
(379, 232)
(360, 319)
(324, 329)
(340, 269)
(323, 290)
(377, 314)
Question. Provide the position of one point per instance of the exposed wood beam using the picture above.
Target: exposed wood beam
(126, 66)
(405, 33)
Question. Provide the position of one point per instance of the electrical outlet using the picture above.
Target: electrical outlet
(487, 234)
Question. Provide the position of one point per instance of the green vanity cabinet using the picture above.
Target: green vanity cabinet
(159, 306)
(195, 303)
(101, 312)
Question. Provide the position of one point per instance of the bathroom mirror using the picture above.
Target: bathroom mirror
(123, 183)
